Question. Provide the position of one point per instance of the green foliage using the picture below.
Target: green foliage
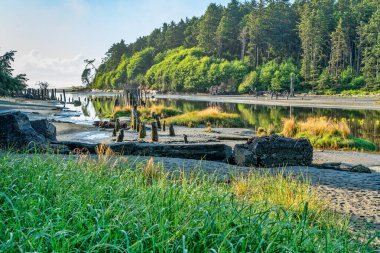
(192, 70)
(325, 39)
(128, 69)
(8, 82)
(249, 83)
(358, 82)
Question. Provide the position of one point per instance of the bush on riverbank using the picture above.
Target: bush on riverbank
(49, 204)
(325, 133)
(214, 116)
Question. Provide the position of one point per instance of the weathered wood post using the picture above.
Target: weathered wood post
(64, 97)
(117, 124)
(134, 118)
(114, 132)
(120, 137)
(171, 130)
(164, 126)
(154, 132)
(185, 138)
(142, 131)
(158, 122)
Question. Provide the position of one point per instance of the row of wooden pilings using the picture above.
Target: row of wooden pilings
(39, 94)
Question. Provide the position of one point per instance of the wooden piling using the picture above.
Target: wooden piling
(120, 137)
(154, 132)
(171, 130)
(142, 131)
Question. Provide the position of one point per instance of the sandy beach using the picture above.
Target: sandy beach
(353, 194)
(368, 103)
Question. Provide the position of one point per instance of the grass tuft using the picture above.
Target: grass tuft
(210, 115)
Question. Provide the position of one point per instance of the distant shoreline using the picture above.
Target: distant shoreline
(334, 102)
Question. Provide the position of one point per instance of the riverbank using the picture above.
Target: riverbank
(368, 103)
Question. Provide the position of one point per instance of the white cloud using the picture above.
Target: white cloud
(55, 70)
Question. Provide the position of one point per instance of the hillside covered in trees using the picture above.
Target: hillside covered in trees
(319, 45)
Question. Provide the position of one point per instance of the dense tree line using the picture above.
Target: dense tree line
(263, 44)
(8, 82)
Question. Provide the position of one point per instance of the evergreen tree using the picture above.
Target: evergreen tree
(228, 31)
(9, 83)
(208, 26)
(312, 42)
(339, 52)
(370, 42)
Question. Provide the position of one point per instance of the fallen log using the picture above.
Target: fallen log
(213, 152)
(110, 124)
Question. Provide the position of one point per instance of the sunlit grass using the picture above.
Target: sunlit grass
(145, 113)
(325, 132)
(212, 115)
(48, 203)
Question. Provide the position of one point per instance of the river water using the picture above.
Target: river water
(363, 123)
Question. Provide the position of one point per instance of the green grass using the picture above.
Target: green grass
(52, 204)
(211, 115)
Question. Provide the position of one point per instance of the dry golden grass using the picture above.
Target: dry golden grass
(316, 126)
(152, 171)
(104, 153)
(212, 114)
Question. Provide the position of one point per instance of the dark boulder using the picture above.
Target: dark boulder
(45, 128)
(17, 132)
(274, 151)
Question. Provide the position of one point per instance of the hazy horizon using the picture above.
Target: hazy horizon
(52, 38)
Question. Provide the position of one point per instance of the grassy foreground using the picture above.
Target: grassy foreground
(52, 204)
(325, 133)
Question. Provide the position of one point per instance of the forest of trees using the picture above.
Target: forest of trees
(8, 82)
(319, 45)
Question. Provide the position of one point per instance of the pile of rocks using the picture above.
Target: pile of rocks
(274, 151)
(18, 132)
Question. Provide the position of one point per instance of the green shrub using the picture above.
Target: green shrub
(249, 83)
(358, 82)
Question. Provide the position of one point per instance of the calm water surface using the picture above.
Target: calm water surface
(363, 123)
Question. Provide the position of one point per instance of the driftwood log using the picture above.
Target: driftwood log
(209, 151)
(109, 124)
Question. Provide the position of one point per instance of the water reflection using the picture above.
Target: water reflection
(363, 123)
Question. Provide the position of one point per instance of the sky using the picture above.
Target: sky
(53, 37)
